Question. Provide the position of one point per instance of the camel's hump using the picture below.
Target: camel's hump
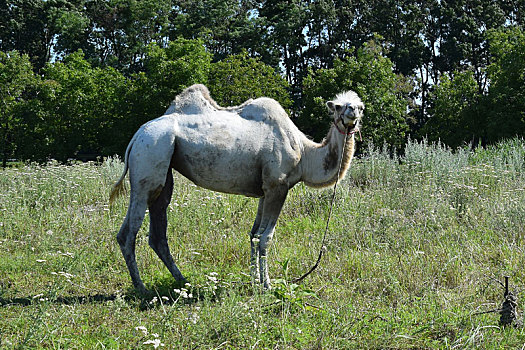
(197, 100)
(193, 100)
(263, 108)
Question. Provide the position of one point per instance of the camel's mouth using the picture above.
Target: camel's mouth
(352, 125)
(347, 127)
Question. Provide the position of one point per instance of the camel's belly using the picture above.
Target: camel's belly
(229, 170)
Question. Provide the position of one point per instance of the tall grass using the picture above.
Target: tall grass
(415, 246)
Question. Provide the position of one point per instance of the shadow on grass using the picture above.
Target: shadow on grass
(167, 290)
(130, 296)
(69, 300)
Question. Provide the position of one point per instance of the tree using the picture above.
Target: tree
(167, 71)
(226, 27)
(16, 78)
(461, 113)
(182, 63)
(506, 95)
(239, 77)
(113, 32)
(78, 106)
(455, 114)
(371, 76)
(464, 41)
(73, 33)
(28, 27)
(285, 28)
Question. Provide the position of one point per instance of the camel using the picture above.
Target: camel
(253, 150)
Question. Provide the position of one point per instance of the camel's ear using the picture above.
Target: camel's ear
(333, 107)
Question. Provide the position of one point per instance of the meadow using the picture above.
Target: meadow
(416, 250)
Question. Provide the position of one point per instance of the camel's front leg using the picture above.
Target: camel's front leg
(254, 243)
(273, 203)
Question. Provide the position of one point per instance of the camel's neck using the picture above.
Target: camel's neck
(320, 162)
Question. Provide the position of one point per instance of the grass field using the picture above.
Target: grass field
(415, 249)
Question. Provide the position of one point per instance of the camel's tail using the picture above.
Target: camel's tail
(119, 188)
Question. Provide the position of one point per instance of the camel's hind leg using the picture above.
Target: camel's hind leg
(127, 236)
(148, 158)
(158, 224)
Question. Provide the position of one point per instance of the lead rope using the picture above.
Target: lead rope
(323, 247)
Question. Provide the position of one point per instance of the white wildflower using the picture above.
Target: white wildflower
(142, 329)
(66, 275)
(68, 254)
(155, 342)
(212, 278)
(193, 317)
(183, 293)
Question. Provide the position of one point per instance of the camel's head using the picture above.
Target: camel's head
(347, 110)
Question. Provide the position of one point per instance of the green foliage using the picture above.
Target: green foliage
(16, 79)
(506, 96)
(291, 295)
(114, 32)
(461, 113)
(464, 44)
(27, 26)
(179, 65)
(239, 77)
(441, 47)
(78, 107)
(226, 27)
(286, 24)
(73, 26)
(371, 76)
(167, 72)
(455, 112)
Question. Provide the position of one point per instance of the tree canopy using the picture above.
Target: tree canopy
(82, 75)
